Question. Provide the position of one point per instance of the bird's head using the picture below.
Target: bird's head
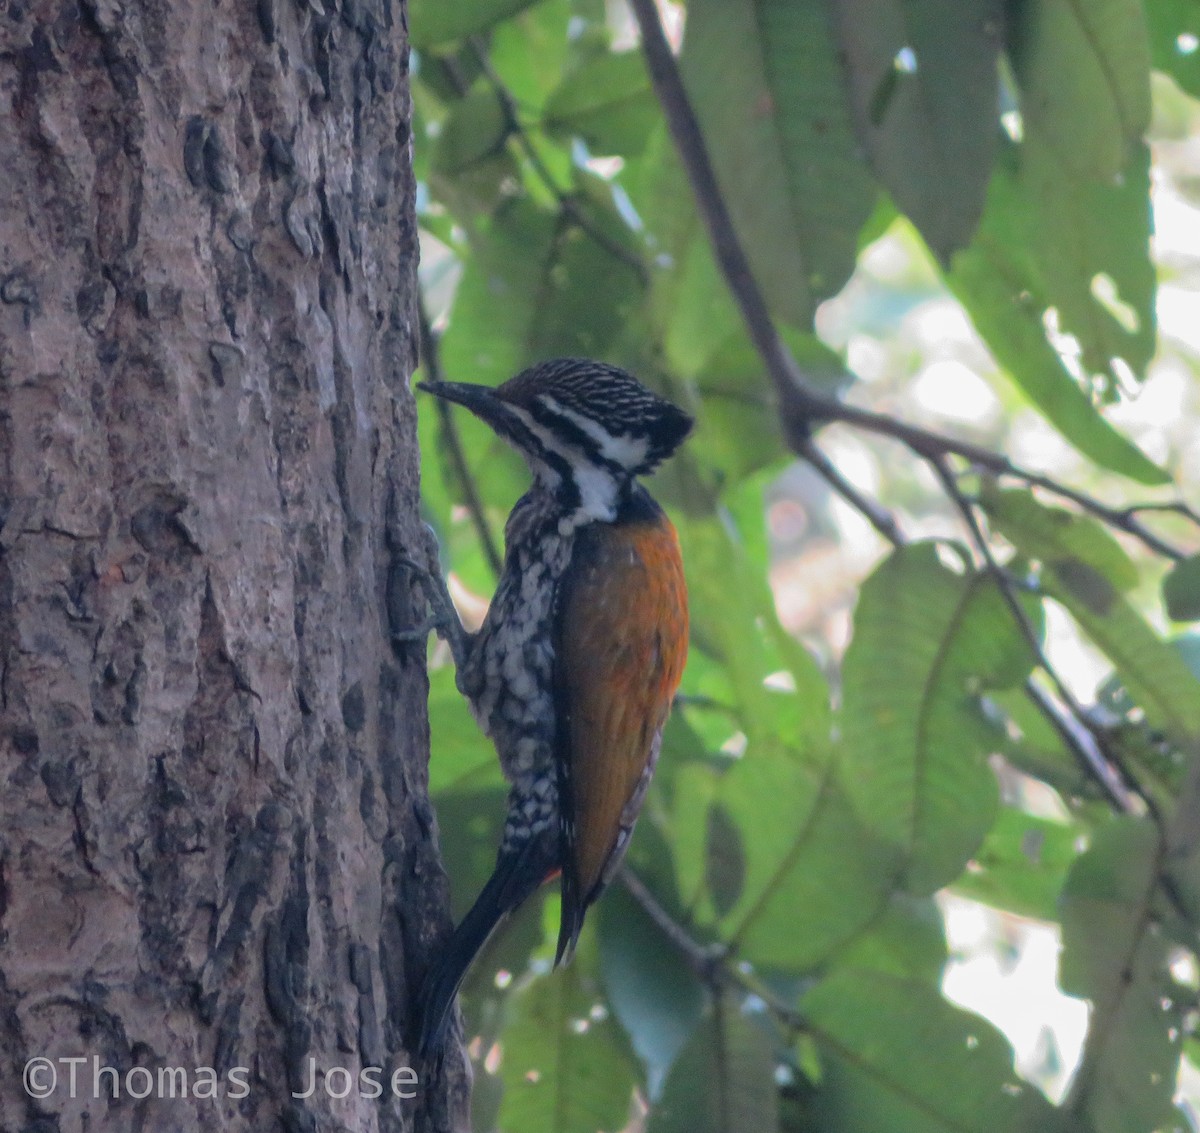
(585, 428)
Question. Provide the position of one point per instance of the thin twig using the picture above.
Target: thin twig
(929, 444)
(1176, 506)
(1123, 519)
(1080, 741)
(871, 509)
(711, 963)
(1003, 581)
(566, 202)
(1073, 727)
(431, 359)
(704, 960)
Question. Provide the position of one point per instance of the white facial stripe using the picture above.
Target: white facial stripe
(626, 449)
(548, 473)
(545, 437)
(597, 487)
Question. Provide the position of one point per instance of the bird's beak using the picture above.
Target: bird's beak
(480, 400)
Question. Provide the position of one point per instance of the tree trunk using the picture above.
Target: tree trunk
(216, 866)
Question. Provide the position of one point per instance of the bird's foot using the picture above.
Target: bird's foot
(443, 617)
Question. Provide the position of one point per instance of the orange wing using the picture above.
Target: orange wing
(621, 643)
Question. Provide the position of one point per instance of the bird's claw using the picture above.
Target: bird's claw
(418, 633)
(443, 619)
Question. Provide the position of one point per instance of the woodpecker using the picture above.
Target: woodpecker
(574, 669)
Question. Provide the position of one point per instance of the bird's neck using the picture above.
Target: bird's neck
(582, 493)
(594, 494)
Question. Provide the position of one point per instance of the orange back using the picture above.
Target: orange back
(621, 643)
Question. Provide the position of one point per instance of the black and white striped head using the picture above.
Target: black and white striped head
(586, 428)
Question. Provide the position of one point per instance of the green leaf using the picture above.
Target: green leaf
(1010, 320)
(896, 1056)
(475, 128)
(724, 1082)
(1153, 673)
(1021, 865)
(907, 939)
(1008, 281)
(606, 209)
(473, 822)
(567, 1067)
(497, 302)
(608, 102)
(536, 286)
(658, 1000)
(927, 643)
(1174, 27)
(1089, 242)
(1106, 907)
(530, 51)
(1080, 570)
(442, 79)
(691, 309)
(734, 623)
(1051, 534)
(1114, 954)
(693, 794)
(764, 81)
(815, 876)
(700, 316)
(697, 322)
(433, 22)
(1084, 77)
(1032, 744)
(653, 848)
(724, 860)
(743, 445)
(738, 427)
(1181, 590)
(585, 301)
(923, 85)
(658, 187)
(461, 756)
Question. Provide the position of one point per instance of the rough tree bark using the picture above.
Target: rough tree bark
(215, 843)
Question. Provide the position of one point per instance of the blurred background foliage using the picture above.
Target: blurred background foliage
(936, 747)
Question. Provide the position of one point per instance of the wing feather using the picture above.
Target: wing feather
(621, 642)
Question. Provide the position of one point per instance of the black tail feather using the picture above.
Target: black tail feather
(516, 876)
(573, 908)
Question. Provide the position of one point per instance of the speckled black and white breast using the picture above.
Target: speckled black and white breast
(510, 675)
